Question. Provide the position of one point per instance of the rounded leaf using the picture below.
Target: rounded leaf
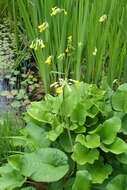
(83, 155)
(44, 165)
(99, 171)
(119, 100)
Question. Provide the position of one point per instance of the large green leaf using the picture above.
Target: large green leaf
(45, 165)
(39, 111)
(79, 114)
(65, 142)
(71, 98)
(122, 158)
(118, 183)
(37, 135)
(83, 155)
(109, 130)
(99, 171)
(82, 181)
(55, 132)
(117, 147)
(5, 169)
(10, 181)
(54, 103)
(124, 125)
(119, 99)
(90, 141)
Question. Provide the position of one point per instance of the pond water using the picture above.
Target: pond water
(3, 102)
(18, 82)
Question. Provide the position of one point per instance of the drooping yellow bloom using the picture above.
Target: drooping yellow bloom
(56, 10)
(42, 45)
(95, 51)
(43, 26)
(37, 43)
(32, 46)
(67, 50)
(48, 60)
(59, 90)
(69, 38)
(103, 18)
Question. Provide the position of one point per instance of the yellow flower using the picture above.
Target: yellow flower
(67, 50)
(69, 38)
(42, 45)
(48, 60)
(43, 26)
(56, 10)
(59, 90)
(31, 45)
(95, 51)
(103, 18)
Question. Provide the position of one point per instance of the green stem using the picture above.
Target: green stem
(70, 139)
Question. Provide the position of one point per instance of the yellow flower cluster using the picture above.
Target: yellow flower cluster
(37, 43)
(56, 10)
(59, 86)
(69, 45)
(43, 26)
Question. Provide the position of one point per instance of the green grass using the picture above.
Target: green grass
(9, 126)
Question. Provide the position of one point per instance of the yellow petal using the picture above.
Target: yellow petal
(103, 18)
(70, 38)
(67, 50)
(31, 46)
(59, 90)
(42, 45)
(48, 60)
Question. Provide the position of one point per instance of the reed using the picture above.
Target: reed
(98, 45)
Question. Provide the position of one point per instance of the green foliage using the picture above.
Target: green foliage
(118, 183)
(119, 100)
(9, 126)
(79, 153)
(82, 181)
(45, 165)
